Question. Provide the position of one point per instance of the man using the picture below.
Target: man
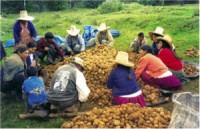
(68, 87)
(102, 36)
(74, 42)
(138, 42)
(47, 46)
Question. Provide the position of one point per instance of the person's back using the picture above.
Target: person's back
(63, 90)
(34, 89)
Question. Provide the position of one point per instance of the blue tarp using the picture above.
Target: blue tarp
(58, 39)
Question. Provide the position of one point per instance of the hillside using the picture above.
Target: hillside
(181, 22)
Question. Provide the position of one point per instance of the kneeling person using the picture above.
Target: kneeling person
(33, 89)
(68, 87)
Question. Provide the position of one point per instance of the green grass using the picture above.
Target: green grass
(178, 21)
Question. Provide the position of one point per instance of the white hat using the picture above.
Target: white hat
(73, 31)
(167, 39)
(24, 16)
(78, 60)
(102, 27)
(158, 31)
(122, 58)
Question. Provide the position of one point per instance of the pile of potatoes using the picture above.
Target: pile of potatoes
(192, 52)
(134, 57)
(124, 116)
(150, 93)
(98, 62)
(190, 70)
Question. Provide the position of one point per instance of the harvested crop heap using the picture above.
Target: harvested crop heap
(98, 62)
(190, 69)
(192, 52)
(124, 116)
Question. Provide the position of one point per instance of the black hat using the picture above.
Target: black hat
(49, 35)
(147, 48)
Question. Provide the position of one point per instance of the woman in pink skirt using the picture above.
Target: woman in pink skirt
(154, 72)
(123, 83)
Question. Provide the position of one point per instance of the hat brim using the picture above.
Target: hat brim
(74, 33)
(28, 18)
(79, 64)
(128, 64)
(156, 33)
(102, 29)
(162, 38)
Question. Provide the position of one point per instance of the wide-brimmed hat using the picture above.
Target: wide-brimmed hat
(122, 58)
(73, 31)
(158, 31)
(103, 27)
(167, 39)
(24, 16)
(79, 61)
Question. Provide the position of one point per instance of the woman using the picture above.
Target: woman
(154, 72)
(123, 83)
(24, 30)
(170, 59)
(15, 71)
(31, 59)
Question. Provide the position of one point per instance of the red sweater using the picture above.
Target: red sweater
(170, 60)
(42, 43)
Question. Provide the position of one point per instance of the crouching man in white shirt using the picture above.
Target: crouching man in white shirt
(68, 87)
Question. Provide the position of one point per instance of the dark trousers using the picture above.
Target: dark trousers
(14, 85)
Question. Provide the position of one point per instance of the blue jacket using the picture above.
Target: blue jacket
(119, 82)
(34, 88)
(17, 30)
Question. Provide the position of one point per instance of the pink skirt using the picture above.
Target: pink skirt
(123, 100)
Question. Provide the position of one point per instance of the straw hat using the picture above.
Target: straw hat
(122, 58)
(167, 39)
(102, 27)
(24, 16)
(73, 31)
(79, 61)
(158, 31)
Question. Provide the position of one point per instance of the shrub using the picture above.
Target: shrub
(151, 2)
(110, 6)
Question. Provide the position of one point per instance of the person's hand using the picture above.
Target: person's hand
(46, 48)
(72, 53)
(33, 39)
(33, 63)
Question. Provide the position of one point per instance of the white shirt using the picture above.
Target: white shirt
(82, 88)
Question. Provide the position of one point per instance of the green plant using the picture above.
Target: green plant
(110, 6)
(151, 2)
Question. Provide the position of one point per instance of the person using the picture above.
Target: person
(32, 58)
(170, 59)
(123, 83)
(74, 42)
(14, 69)
(23, 29)
(3, 52)
(138, 42)
(46, 46)
(34, 93)
(103, 36)
(157, 33)
(68, 87)
(154, 72)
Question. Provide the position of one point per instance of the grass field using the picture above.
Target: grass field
(181, 22)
